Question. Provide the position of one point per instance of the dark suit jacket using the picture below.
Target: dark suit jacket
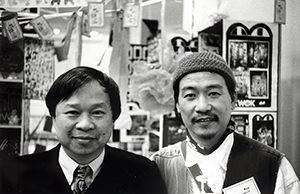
(121, 172)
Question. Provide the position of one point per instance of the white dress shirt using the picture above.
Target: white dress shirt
(68, 165)
(214, 167)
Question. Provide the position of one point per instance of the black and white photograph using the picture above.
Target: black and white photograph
(149, 97)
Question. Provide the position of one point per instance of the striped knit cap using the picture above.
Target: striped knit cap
(203, 61)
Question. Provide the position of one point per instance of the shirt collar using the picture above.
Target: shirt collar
(68, 165)
(220, 155)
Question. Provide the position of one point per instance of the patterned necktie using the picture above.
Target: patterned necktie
(82, 179)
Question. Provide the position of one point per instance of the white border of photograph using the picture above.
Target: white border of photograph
(264, 92)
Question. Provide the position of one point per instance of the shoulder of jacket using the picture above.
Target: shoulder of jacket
(256, 145)
(170, 151)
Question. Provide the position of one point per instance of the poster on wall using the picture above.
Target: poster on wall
(251, 54)
(260, 126)
(38, 68)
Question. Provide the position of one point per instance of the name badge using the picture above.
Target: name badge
(247, 186)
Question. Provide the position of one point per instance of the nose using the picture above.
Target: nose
(85, 123)
(202, 104)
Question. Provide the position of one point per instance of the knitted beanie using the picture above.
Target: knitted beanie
(203, 61)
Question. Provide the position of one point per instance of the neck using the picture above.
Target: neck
(82, 158)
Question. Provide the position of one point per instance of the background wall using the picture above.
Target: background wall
(289, 90)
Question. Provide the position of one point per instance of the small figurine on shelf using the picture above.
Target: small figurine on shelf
(13, 118)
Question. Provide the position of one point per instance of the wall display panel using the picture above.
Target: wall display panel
(260, 126)
(251, 52)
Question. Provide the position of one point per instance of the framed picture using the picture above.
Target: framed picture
(173, 130)
(264, 129)
(12, 29)
(42, 27)
(260, 126)
(241, 123)
(96, 14)
(131, 15)
(280, 11)
(259, 84)
(138, 130)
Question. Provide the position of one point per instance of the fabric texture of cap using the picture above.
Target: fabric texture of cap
(203, 61)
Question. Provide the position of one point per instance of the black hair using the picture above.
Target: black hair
(69, 82)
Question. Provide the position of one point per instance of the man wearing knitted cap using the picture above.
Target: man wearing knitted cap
(213, 158)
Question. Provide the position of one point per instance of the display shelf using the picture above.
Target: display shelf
(11, 98)
(10, 142)
(11, 80)
(10, 126)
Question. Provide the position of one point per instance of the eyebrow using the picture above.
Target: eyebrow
(210, 86)
(76, 105)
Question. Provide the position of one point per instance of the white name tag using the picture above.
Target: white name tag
(247, 186)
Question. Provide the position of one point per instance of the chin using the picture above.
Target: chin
(207, 136)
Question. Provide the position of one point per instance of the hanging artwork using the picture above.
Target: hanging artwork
(96, 14)
(12, 29)
(131, 15)
(42, 27)
(280, 11)
(38, 68)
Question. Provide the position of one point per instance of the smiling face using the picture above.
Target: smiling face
(84, 122)
(205, 106)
